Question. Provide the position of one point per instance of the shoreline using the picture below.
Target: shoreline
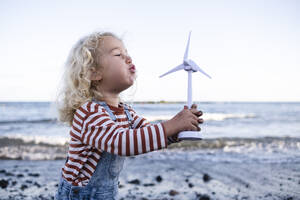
(167, 175)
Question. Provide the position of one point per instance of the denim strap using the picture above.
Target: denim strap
(102, 103)
(128, 113)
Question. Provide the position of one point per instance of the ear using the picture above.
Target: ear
(94, 74)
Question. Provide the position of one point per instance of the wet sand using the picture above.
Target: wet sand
(167, 175)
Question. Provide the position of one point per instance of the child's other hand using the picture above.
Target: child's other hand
(185, 120)
(196, 112)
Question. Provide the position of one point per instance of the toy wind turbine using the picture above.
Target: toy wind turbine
(189, 66)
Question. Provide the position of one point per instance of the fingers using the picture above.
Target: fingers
(195, 126)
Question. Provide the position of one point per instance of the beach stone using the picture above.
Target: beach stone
(34, 174)
(191, 185)
(135, 181)
(9, 174)
(20, 175)
(23, 187)
(37, 184)
(159, 179)
(173, 192)
(204, 197)
(206, 178)
(14, 183)
(2, 171)
(149, 184)
(3, 183)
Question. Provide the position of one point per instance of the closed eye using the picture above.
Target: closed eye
(118, 55)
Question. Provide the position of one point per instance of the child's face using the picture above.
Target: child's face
(118, 72)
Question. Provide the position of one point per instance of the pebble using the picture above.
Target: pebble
(206, 178)
(3, 183)
(149, 184)
(135, 181)
(34, 174)
(159, 179)
(23, 187)
(173, 192)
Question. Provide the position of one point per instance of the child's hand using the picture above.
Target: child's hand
(196, 112)
(185, 120)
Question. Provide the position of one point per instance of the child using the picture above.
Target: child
(103, 129)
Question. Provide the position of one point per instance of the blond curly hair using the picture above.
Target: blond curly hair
(77, 88)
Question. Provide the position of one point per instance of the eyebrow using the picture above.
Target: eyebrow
(117, 48)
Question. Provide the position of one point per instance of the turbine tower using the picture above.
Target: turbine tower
(190, 66)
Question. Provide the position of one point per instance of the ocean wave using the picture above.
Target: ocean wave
(265, 144)
(151, 118)
(206, 116)
(17, 148)
(29, 121)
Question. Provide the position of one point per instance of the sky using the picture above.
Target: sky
(251, 48)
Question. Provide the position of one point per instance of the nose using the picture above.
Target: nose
(128, 60)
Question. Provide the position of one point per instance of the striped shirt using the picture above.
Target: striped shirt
(93, 131)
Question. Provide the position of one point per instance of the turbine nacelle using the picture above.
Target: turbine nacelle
(188, 66)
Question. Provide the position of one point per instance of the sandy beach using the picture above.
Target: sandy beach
(168, 174)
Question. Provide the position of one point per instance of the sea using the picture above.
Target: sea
(260, 130)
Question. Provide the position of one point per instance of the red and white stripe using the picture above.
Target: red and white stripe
(93, 131)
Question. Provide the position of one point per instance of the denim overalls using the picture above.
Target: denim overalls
(104, 182)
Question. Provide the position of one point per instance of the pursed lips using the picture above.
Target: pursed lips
(132, 68)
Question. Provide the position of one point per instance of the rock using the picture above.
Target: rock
(20, 175)
(159, 179)
(14, 183)
(34, 174)
(204, 197)
(37, 185)
(149, 184)
(3, 183)
(2, 171)
(173, 192)
(135, 181)
(23, 187)
(206, 178)
(191, 185)
(9, 174)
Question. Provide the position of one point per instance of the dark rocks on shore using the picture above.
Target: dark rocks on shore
(159, 179)
(191, 185)
(3, 183)
(173, 192)
(20, 175)
(135, 181)
(34, 174)
(9, 174)
(206, 178)
(2, 171)
(202, 197)
(23, 187)
(149, 184)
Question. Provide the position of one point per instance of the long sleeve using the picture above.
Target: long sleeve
(100, 131)
(139, 122)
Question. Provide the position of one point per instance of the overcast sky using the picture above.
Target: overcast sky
(250, 48)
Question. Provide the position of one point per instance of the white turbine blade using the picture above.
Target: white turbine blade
(195, 66)
(179, 67)
(187, 48)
